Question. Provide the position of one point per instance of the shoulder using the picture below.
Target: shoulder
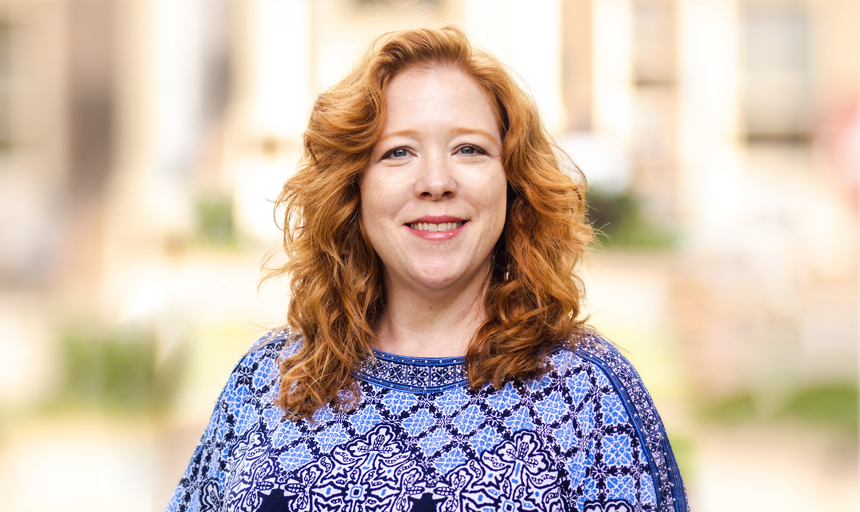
(257, 372)
(595, 355)
(274, 345)
(616, 376)
(593, 351)
(277, 339)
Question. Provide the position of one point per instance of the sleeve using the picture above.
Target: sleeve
(629, 464)
(200, 487)
(203, 485)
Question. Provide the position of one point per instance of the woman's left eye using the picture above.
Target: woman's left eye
(471, 150)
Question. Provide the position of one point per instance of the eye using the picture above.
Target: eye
(471, 150)
(396, 153)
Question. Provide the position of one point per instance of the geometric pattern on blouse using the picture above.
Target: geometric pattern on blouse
(584, 436)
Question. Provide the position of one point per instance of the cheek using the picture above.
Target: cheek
(367, 208)
(380, 203)
(500, 215)
(492, 202)
(499, 200)
(370, 193)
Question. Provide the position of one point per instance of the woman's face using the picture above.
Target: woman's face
(433, 196)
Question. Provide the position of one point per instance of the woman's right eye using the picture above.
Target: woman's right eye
(396, 153)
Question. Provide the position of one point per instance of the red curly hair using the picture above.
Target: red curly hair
(533, 299)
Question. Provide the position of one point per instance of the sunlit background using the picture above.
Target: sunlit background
(141, 144)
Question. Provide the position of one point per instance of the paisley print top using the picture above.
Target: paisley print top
(585, 437)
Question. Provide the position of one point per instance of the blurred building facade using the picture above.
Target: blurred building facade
(140, 141)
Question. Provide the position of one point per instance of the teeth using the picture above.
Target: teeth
(445, 226)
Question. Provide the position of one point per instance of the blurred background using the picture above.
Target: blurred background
(141, 144)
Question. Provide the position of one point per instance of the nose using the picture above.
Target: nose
(436, 178)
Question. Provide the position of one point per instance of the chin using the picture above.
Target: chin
(443, 281)
(438, 284)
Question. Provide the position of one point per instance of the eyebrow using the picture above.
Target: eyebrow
(457, 131)
(474, 131)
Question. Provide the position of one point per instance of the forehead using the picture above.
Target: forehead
(437, 85)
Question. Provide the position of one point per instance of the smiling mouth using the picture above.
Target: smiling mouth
(426, 226)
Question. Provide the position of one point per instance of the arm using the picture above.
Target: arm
(628, 458)
(202, 487)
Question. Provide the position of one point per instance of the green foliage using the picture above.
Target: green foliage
(113, 372)
(215, 224)
(731, 410)
(832, 406)
(684, 450)
(619, 219)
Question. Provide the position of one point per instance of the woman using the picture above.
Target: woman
(436, 358)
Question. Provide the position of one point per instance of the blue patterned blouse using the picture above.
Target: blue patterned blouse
(584, 437)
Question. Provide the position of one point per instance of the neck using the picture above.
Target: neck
(419, 324)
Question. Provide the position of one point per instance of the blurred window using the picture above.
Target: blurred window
(576, 64)
(217, 58)
(653, 148)
(5, 84)
(654, 43)
(776, 71)
(399, 3)
(91, 94)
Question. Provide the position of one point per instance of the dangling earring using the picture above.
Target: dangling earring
(507, 266)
